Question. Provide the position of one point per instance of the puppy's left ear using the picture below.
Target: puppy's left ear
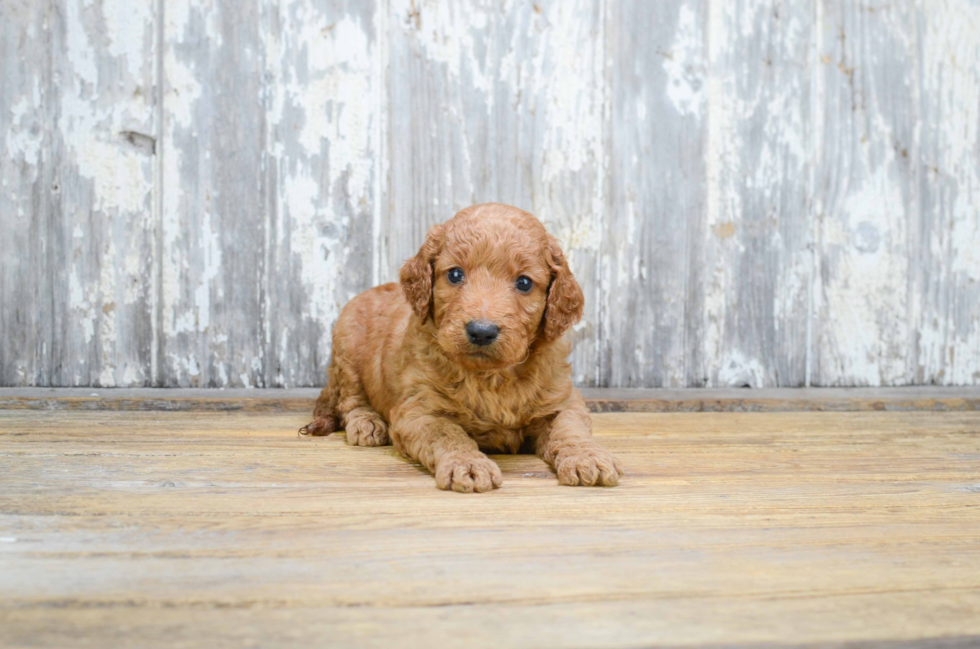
(565, 300)
(416, 274)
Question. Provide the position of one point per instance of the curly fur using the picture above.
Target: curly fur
(404, 372)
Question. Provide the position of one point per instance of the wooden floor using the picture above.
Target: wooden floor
(226, 529)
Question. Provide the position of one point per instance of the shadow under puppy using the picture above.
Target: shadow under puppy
(466, 356)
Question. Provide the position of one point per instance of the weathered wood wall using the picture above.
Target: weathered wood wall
(752, 192)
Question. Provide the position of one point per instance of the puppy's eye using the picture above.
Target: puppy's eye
(455, 275)
(524, 284)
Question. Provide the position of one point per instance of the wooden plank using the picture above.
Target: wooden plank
(722, 299)
(80, 185)
(269, 185)
(782, 400)
(225, 528)
(946, 296)
(26, 169)
(866, 197)
(650, 282)
(598, 399)
(504, 104)
(567, 625)
(324, 91)
(213, 282)
(753, 249)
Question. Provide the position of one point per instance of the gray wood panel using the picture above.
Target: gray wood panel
(754, 247)
(268, 191)
(214, 196)
(78, 170)
(947, 275)
(751, 193)
(866, 196)
(706, 261)
(650, 276)
(26, 168)
(324, 91)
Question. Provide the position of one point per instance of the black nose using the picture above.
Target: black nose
(481, 332)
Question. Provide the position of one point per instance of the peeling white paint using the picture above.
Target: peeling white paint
(949, 339)
(211, 267)
(129, 26)
(338, 102)
(23, 140)
(317, 252)
(107, 322)
(735, 370)
(721, 203)
(684, 64)
(447, 35)
(567, 75)
(80, 50)
(81, 306)
(90, 126)
(183, 93)
(868, 303)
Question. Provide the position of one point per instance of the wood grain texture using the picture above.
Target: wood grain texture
(754, 247)
(802, 529)
(751, 193)
(946, 295)
(268, 187)
(866, 198)
(706, 259)
(77, 170)
(897, 288)
(597, 399)
(26, 168)
(324, 88)
(212, 279)
(650, 302)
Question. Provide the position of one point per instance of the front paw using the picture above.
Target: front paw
(467, 472)
(366, 429)
(588, 466)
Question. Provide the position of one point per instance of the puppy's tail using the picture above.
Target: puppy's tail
(325, 412)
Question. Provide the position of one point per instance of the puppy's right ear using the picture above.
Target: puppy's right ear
(417, 274)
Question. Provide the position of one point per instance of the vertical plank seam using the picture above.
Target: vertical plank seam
(715, 153)
(46, 355)
(156, 299)
(692, 342)
(914, 242)
(814, 63)
(600, 191)
(380, 257)
(269, 197)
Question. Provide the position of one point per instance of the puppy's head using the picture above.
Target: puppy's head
(493, 281)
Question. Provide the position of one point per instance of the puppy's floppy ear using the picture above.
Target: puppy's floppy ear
(565, 300)
(416, 274)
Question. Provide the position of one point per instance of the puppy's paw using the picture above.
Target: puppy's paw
(588, 466)
(366, 428)
(467, 472)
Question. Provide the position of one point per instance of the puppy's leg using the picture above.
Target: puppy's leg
(363, 425)
(445, 450)
(343, 403)
(566, 443)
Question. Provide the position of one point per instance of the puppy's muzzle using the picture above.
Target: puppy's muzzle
(481, 332)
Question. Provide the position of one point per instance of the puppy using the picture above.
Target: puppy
(466, 355)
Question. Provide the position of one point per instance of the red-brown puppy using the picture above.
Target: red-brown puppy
(467, 354)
